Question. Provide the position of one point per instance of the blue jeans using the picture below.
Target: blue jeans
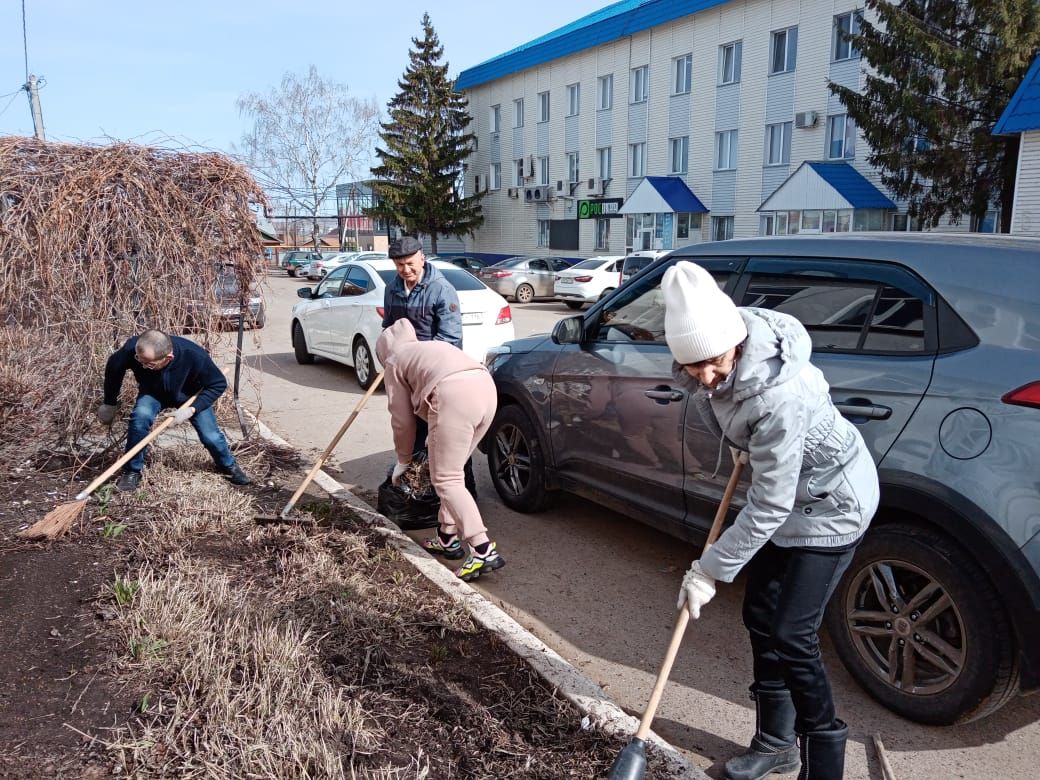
(787, 591)
(147, 409)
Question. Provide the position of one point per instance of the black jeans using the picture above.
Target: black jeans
(787, 591)
(422, 430)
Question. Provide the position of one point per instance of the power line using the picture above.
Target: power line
(25, 42)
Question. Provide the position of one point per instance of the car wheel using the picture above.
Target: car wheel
(261, 318)
(574, 304)
(299, 344)
(524, 293)
(516, 461)
(920, 627)
(291, 271)
(605, 293)
(364, 366)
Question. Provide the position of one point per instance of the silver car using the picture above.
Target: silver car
(523, 278)
(931, 345)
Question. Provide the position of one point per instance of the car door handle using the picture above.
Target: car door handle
(663, 394)
(863, 409)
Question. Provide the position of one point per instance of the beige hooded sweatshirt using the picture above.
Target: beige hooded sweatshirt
(412, 370)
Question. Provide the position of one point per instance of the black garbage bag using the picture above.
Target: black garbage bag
(411, 503)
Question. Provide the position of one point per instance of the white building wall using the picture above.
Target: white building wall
(1025, 219)
(511, 225)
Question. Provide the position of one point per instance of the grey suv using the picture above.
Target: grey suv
(931, 345)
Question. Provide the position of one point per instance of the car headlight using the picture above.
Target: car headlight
(495, 354)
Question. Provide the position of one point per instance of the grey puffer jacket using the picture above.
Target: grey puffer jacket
(813, 481)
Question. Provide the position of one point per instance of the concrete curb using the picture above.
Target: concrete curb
(590, 699)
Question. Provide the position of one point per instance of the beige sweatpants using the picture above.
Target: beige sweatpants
(461, 409)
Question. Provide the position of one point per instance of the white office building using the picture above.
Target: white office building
(653, 124)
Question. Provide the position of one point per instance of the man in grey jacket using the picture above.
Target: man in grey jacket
(814, 489)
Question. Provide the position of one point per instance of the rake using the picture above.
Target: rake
(60, 519)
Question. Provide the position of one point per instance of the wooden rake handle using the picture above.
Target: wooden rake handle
(152, 435)
(332, 446)
(684, 615)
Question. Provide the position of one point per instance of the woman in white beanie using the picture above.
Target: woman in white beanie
(814, 489)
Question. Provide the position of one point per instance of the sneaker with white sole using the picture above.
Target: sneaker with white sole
(452, 549)
(477, 564)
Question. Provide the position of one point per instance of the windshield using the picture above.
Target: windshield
(458, 278)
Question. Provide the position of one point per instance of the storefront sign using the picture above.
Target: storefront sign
(599, 209)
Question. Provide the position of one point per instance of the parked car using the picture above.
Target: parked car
(588, 281)
(295, 258)
(637, 261)
(471, 264)
(524, 278)
(230, 302)
(316, 271)
(342, 317)
(929, 343)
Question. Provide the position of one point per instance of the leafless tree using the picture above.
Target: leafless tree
(308, 135)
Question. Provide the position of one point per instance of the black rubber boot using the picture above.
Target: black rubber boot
(773, 748)
(823, 753)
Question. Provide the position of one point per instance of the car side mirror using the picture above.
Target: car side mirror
(304, 292)
(569, 331)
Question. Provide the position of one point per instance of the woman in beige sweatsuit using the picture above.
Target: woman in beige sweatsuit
(456, 396)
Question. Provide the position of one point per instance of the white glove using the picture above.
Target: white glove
(697, 590)
(106, 413)
(739, 456)
(181, 415)
(399, 469)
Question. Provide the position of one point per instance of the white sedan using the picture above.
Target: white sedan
(342, 317)
(317, 270)
(588, 281)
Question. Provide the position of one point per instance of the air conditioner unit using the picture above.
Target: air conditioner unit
(513, 192)
(805, 119)
(538, 194)
(594, 186)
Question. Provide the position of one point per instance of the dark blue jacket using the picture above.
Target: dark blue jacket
(191, 371)
(432, 307)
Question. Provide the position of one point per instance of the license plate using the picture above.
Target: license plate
(565, 280)
(472, 317)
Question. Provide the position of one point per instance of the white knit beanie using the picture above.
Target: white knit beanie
(700, 321)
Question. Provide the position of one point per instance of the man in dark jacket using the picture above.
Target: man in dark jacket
(422, 295)
(169, 370)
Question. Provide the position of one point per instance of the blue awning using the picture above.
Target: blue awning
(1023, 112)
(826, 185)
(662, 194)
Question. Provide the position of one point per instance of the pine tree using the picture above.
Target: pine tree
(419, 179)
(941, 73)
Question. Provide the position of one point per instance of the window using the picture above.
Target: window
(603, 234)
(721, 228)
(637, 159)
(783, 50)
(844, 26)
(518, 169)
(729, 63)
(726, 150)
(605, 92)
(682, 68)
(573, 99)
(573, 170)
(778, 144)
(811, 220)
(543, 106)
(844, 315)
(518, 112)
(358, 281)
(678, 149)
(495, 178)
(603, 158)
(543, 170)
(640, 84)
(685, 222)
(841, 137)
(543, 232)
(496, 118)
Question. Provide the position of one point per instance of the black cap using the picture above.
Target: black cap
(403, 247)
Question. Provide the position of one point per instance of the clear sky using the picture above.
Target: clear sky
(143, 70)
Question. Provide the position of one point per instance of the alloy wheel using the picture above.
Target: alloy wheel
(513, 464)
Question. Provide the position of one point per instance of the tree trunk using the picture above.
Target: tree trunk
(433, 243)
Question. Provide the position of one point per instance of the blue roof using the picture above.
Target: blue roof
(1023, 112)
(607, 24)
(852, 185)
(677, 194)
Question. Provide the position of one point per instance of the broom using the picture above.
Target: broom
(60, 519)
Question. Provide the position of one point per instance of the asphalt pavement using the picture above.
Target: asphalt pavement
(600, 588)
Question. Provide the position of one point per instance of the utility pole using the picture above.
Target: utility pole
(33, 88)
